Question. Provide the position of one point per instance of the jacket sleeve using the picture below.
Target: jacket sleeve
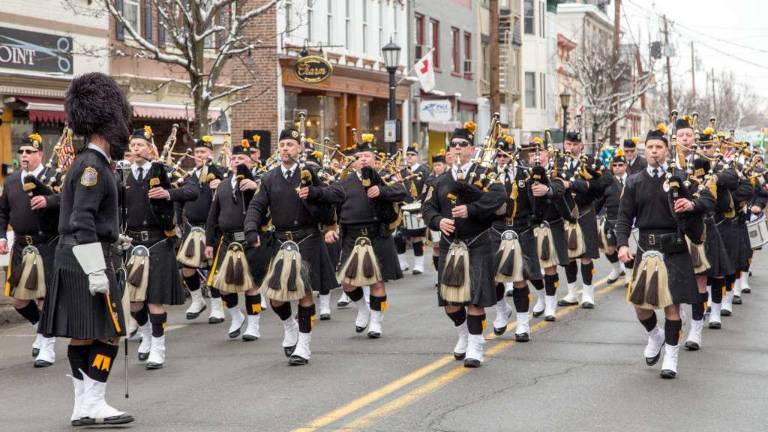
(256, 210)
(212, 223)
(89, 191)
(5, 212)
(430, 208)
(394, 193)
(489, 202)
(188, 191)
(627, 211)
(333, 194)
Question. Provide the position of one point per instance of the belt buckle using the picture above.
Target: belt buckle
(239, 236)
(28, 239)
(364, 231)
(144, 235)
(289, 235)
(652, 239)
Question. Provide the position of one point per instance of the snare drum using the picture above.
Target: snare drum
(758, 232)
(412, 219)
(434, 236)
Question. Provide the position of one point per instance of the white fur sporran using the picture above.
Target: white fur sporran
(191, 251)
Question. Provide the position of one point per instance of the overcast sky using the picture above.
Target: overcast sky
(727, 35)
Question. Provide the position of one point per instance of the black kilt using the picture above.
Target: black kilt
(47, 250)
(70, 310)
(745, 258)
(258, 257)
(610, 235)
(334, 253)
(314, 255)
(558, 237)
(482, 274)
(730, 233)
(531, 264)
(682, 279)
(384, 248)
(719, 261)
(164, 282)
(588, 224)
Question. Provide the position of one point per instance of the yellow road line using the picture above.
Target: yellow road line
(443, 379)
(396, 385)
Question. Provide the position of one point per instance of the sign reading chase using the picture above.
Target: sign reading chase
(32, 51)
(313, 69)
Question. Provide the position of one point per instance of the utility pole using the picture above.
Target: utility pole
(494, 54)
(693, 72)
(714, 96)
(616, 79)
(669, 66)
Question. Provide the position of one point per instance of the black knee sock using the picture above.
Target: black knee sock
(230, 300)
(729, 279)
(158, 324)
(193, 282)
(458, 317)
(215, 293)
(650, 322)
(499, 291)
(672, 331)
(521, 299)
(400, 244)
(571, 271)
(630, 264)
(418, 248)
(716, 288)
(476, 324)
(697, 311)
(101, 358)
(550, 284)
(435, 261)
(587, 271)
(378, 303)
(30, 312)
(537, 283)
(703, 297)
(306, 318)
(283, 311)
(356, 294)
(78, 359)
(253, 304)
(612, 258)
(142, 315)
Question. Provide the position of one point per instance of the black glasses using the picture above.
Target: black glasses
(459, 144)
(618, 165)
(27, 151)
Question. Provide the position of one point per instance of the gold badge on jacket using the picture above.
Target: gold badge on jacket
(90, 177)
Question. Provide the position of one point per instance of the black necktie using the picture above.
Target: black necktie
(655, 173)
(288, 174)
(141, 174)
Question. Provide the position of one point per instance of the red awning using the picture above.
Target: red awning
(169, 112)
(44, 109)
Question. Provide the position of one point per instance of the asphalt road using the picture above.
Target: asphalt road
(583, 372)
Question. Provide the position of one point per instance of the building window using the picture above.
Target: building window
(148, 29)
(543, 90)
(131, 13)
(365, 26)
(530, 90)
(542, 15)
(419, 29)
(381, 23)
(467, 55)
(528, 16)
(161, 36)
(329, 24)
(310, 19)
(394, 19)
(347, 23)
(119, 28)
(486, 49)
(455, 51)
(435, 43)
(288, 17)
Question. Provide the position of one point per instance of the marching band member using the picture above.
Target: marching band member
(297, 218)
(365, 205)
(83, 302)
(238, 265)
(438, 168)
(635, 162)
(31, 207)
(610, 200)
(205, 178)
(464, 212)
(663, 277)
(415, 188)
(152, 271)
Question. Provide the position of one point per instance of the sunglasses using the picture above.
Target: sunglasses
(459, 144)
(618, 165)
(27, 151)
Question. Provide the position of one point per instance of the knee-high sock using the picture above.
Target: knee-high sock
(587, 271)
(538, 284)
(650, 322)
(697, 311)
(378, 303)
(418, 248)
(158, 324)
(550, 284)
(435, 261)
(458, 317)
(521, 299)
(31, 312)
(78, 359)
(729, 280)
(101, 359)
(717, 285)
(400, 244)
(356, 294)
(499, 291)
(253, 304)
(283, 311)
(230, 300)
(215, 293)
(672, 331)
(306, 318)
(193, 282)
(476, 324)
(612, 258)
(571, 271)
(142, 315)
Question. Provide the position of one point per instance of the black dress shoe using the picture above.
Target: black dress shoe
(522, 337)
(42, 363)
(499, 331)
(295, 360)
(537, 314)
(725, 312)
(143, 356)
(459, 356)
(194, 315)
(715, 325)
(342, 304)
(562, 302)
(417, 272)
(153, 366)
(746, 290)
(325, 317)
(234, 334)
(359, 329)
(650, 361)
(249, 338)
(550, 318)
(374, 335)
(35, 352)
(668, 374)
(116, 420)
(288, 351)
(472, 363)
(692, 346)
(737, 300)
(587, 305)
(214, 320)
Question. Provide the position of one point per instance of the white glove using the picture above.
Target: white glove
(98, 283)
(124, 242)
(90, 256)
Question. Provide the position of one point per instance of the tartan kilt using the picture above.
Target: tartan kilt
(71, 311)
(531, 263)
(47, 251)
(482, 272)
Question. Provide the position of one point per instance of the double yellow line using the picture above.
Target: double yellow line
(428, 387)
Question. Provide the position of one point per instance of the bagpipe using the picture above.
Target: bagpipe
(56, 167)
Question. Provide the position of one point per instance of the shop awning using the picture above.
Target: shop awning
(169, 112)
(44, 109)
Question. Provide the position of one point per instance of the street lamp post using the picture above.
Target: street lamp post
(391, 52)
(565, 100)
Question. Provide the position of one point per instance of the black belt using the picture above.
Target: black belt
(70, 240)
(295, 235)
(366, 230)
(234, 236)
(31, 240)
(147, 236)
(664, 242)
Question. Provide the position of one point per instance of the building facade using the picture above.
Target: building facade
(535, 68)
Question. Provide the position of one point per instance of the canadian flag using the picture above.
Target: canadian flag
(425, 71)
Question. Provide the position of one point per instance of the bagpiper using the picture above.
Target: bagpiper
(439, 166)
(635, 162)
(415, 188)
(30, 205)
(84, 300)
(464, 211)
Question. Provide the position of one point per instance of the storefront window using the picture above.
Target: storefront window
(321, 115)
(21, 128)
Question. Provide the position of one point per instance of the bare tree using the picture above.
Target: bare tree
(595, 71)
(190, 26)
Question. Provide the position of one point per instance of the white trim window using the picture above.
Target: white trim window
(310, 19)
(348, 25)
(329, 24)
(381, 24)
(394, 21)
(530, 90)
(288, 17)
(365, 26)
(132, 14)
